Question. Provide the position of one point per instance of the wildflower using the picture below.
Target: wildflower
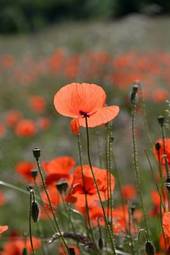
(2, 130)
(2, 199)
(25, 128)
(37, 104)
(60, 165)
(25, 168)
(128, 192)
(166, 223)
(12, 118)
(80, 100)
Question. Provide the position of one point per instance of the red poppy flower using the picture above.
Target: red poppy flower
(77, 100)
(13, 117)
(166, 223)
(128, 192)
(3, 229)
(25, 128)
(15, 247)
(24, 168)
(2, 130)
(53, 194)
(61, 250)
(60, 165)
(37, 104)
(161, 154)
(2, 199)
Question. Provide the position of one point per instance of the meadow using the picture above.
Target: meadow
(84, 131)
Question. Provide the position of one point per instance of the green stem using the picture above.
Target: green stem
(30, 225)
(95, 182)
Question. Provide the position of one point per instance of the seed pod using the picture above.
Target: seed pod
(24, 251)
(36, 153)
(34, 211)
(71, 251)
(34, 173)
(157, 146)
(62, 187)
(100, 243)
(161, 120)
(149, 248)
(133, 94)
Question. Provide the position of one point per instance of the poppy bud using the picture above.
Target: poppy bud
(35, 211)
(157, 146)
(62, 187)
(71, 251)
(100, 243)
(149, 248)
(24, 251)
(75, 127)
(36, 153)
(167, 184)
(134, 93)
(161, 120)
(34, 173)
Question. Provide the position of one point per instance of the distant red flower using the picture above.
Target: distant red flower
(37, 104)
(3, 229)
(15, 247)
(129, 192)
(24, 168)
(75, 126)
(13, 117)
(77, 100)
(2, 130)
(163, 152)
(53, 194)
(2, 199)
(25, 128)
(43, 123)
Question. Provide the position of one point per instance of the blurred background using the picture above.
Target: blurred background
(47, 44)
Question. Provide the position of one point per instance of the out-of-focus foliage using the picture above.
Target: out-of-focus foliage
(32, 15)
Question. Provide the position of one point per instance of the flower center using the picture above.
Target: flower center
(84, 114)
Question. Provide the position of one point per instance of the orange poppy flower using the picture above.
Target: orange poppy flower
(24, 168)
(59, 165)
(166, 223)
(25, 128)
(160, 155)
(37, 104)
(61, 250)
(3, 229)
(13, 117)
(77, 100)
(128, 192)
(2, 130)
(15, 247)
(53, 194)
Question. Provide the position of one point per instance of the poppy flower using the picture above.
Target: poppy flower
(80, 100)
(13, 117)
(25, 128)
(53, 194)
(37, 104)
(25, 168)
(3, 229)
(59, 165)
(2, 199)
(15, 247)
(166, 223)
(128, 192)
(160, 154)
(2, 130)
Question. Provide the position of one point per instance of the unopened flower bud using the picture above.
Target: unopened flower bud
(149, 248)
(133, 95)
(35, 211)
(36, 153)
(161, 120)
(157, 146)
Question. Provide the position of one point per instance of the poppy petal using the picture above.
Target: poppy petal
(102, 116)
(74, 98)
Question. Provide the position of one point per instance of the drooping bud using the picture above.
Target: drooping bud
(36, 153)
(24, 251)
(100, 243)
(35, 211)
(161, 120)
(149, 248)
(75, 126)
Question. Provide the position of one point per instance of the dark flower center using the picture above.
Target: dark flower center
(84, 114)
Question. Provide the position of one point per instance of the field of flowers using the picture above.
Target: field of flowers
(85, 152)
